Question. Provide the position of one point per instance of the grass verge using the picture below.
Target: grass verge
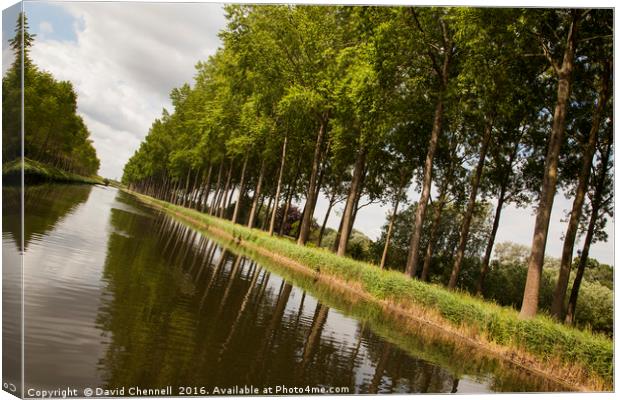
(37, 171)
(577, 358)
(416, 338)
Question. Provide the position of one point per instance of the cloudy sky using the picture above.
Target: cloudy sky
(124, 58)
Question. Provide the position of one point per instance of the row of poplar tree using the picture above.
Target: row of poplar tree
(358, 103)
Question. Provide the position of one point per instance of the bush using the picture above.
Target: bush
(506, 281)
(595, 307)
(505, 284)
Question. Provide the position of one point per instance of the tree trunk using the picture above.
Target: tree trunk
(259, 184)
(329, 210)
(430, 248)
(484, 268)
(166, 189)
(261, 203)
(203, 193)
(347, 216)
(186, 191)
(272, 223)
(388, 236)
(161, 189)
(217, 188)
(356, 206)
(443, 75)
(355, 210)
(337, 238)
(557, 307)
(198, 194)
(174, 193)
(529, 305)
(289, 196)
(583, 261)
(319, 181)
(414, 245)
(222, 209)
(241, 190)
(306, 223)
(287, 206)
(194, 191)
(267, 212)
(460, 253)
(230, 199)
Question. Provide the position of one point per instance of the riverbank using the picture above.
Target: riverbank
(579, 359)
(35, 171)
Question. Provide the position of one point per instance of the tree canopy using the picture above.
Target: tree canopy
(476, 108)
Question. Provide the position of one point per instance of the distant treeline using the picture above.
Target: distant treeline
(54, 133)
(478, 108)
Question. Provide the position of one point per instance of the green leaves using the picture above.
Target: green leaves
(54, 133)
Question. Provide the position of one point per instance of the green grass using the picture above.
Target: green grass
(40, 171)
(540, 336)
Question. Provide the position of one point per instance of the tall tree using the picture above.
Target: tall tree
(557, 308)
(601, 204)
(568, 22)
(439, 44)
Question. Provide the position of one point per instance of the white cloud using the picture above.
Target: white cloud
(126, 59)
(46, 27)
(7, 58)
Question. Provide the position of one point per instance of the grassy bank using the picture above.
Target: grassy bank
(579, 358)
(417, 339)
(37, 171)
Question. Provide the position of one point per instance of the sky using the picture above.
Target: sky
(124, 59)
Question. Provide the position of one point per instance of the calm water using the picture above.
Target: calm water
(120, 295)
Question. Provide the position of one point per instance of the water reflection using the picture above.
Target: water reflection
(11, 289)
(45, 205)
(122, 295)
(65, 227)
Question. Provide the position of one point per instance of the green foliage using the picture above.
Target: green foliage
(448, 231)
(359, 246)
(507, 276)
(597, 272)
(55, 134)
(506, 281)
(595, 307)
